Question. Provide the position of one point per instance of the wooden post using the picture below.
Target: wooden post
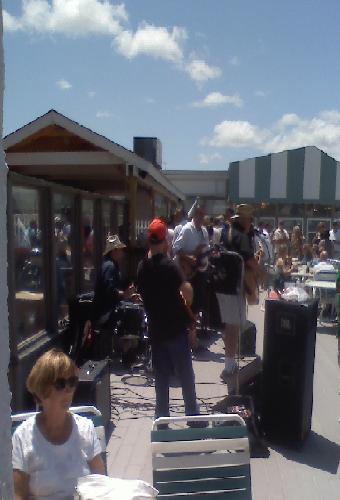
(153, 208)
(132, 180)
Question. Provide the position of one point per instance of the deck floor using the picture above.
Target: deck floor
(311, 473)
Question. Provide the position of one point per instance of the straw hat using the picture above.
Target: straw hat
(243, 211)
(112, 243)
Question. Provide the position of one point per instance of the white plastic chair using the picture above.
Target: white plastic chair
(90, 412)
(326, 297)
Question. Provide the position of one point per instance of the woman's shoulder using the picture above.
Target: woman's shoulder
(84, 424)
(25, 428)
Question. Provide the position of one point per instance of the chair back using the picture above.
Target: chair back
(325, 275)
(197, 463)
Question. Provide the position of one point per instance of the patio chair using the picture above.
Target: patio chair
(211, 463)
(326, 296)
(90, 412)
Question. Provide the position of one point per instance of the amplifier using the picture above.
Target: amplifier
(288, 369)
(94, 387)
(248, 340)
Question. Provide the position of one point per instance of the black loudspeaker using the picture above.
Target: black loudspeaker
(288, 369)
(94, 387)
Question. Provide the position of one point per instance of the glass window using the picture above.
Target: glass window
(290, 222)
(29, 300)
(106, 219)
(291, 210)
(265, 210)
(312, 225)
(63, 239)
(88, 243)
(123, 229)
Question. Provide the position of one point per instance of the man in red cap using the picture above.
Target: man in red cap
(162, 288)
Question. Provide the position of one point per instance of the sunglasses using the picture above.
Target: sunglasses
(61, 383)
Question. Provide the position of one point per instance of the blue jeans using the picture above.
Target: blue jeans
(169, 356)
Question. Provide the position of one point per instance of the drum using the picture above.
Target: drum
(131, 321)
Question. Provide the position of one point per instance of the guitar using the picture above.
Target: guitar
(196, 262)
(251, 282)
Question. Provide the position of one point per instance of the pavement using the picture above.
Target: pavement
(311, 473)
(129, 449)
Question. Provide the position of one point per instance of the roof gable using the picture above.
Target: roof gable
(52, 138)
(125, 156)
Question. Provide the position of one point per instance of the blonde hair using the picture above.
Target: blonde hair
(50, 366)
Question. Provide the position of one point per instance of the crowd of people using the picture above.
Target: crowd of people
(171, 284)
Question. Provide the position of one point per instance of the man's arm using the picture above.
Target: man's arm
(97, 466)
(187, 292)
(111, 280)
(180, 241)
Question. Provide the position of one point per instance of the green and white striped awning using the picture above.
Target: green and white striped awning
(304, 175)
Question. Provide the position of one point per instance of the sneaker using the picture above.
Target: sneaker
(227, 374)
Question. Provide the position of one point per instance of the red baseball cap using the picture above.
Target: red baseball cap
(157, 231)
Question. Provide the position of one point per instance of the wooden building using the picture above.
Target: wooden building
(68, 188)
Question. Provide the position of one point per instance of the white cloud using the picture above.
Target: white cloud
(92, 93)
(200, 71)
(10, 22)
(205, 159)
(288, 120)
(150, 100)
(71, 17)
(215, 99)
(76, 18)
(289, 132)
(63, 84)
(260, 93)
(103, 114)
(236, 134)
(234, 61)
(154, 41)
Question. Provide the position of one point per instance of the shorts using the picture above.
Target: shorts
(232, 309)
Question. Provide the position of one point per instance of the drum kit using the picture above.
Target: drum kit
(130, 334)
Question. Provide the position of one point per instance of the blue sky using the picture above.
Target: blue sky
(214, 80)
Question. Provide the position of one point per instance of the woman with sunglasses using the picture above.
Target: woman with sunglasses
(52, 449)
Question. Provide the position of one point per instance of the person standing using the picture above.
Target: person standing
(232, 302)
(265, 244)
(180, 220)
(190, 249)
(280, 238)
(163, 289)
(334, 236)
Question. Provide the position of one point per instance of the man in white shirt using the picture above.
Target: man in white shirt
(179, 221)
(264, 243)
(334, 235)
(280, 238)
(194, 236)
